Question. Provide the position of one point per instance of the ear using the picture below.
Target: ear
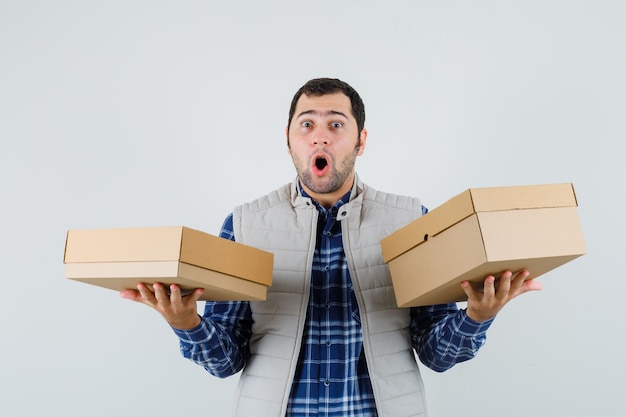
(287, 135)
(362, 141)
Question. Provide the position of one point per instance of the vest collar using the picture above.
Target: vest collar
(354, 204)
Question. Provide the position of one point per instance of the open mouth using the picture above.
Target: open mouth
(320, 163)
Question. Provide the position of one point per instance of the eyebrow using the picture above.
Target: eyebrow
(327, 113)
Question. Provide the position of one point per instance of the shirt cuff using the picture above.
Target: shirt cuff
(469, 327)
(198, 334)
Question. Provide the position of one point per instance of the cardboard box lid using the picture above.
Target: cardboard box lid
(475, 200)
(174, 243)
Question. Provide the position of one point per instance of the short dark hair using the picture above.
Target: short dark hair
(322, 86)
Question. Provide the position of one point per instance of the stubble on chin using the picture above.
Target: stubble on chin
(336, 179)
(322, 186)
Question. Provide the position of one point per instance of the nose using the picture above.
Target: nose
(320, 137)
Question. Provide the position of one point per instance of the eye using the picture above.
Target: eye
(306, 124)
(336, 125)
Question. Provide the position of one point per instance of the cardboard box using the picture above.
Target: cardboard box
(120, 258)
(480, 232)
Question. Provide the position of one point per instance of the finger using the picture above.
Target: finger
(489, 286)
(532, 285)
(504, 285)
(160, 294)
(526, 284)
(518, 282)
(132, 295)
(522, 275)
(176, 297)
(146, 295)
(468, 289)
(195, 295)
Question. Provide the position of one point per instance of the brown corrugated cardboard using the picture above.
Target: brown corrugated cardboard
(479, 232)
(120, 258)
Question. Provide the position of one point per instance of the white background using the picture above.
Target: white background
(153, 113)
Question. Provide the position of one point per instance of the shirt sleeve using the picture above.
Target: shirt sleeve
(220, 343)
(443, 335)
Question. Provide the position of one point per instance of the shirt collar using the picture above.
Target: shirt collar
(320, 208)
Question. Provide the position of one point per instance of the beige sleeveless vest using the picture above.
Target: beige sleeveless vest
(284, 222)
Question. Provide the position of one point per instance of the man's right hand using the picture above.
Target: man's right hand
(181, 312)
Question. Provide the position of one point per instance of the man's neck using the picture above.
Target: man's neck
(327, 200)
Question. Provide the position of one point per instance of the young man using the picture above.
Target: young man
(329, 340)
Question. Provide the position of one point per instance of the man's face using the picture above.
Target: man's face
(324, 142)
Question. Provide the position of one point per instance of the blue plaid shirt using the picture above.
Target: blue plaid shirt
(331, 378)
